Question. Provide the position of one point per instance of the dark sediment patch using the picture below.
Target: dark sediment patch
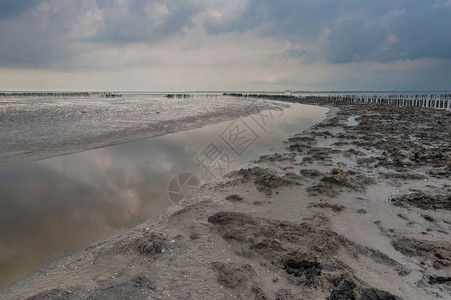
(276, 157)
(139, 287)
(332, 181)
(443, 172)
(424, 201)
(428, 218)
(322, 189)
(287, 294)
(439, 280)
(58, 294)
(404, 176)
(341, 289)
(152, 244)
(300, 143)
(311, 173)
(306, 269)
(351, 152)
(232, 275)
(350, 179)
(334, 207)
(265, 180)
(321, 154)
(300, 249)
(234, 198)
(436, 253)
(374, 294)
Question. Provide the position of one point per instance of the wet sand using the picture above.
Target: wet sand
(357, 207)
(33, 128)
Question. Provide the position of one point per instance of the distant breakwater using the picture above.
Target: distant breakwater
(437, 101)
(58, 94)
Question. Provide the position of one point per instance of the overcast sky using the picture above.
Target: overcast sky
(162, 45)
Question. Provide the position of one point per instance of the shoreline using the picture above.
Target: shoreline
(313, 218)
(34, 139)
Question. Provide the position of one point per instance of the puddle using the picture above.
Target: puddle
(298, 159)
(53, 207)
(350, 163)
(362, 203)
(326, 143)
(414, 277)
(351, 121)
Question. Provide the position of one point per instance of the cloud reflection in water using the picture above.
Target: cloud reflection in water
(52, 207)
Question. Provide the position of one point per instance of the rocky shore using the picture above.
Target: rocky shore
(357, 207)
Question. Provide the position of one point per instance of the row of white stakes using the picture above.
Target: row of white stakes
(431, 101)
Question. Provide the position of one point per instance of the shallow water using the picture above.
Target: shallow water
(53, 207)
(351, 121)
(38, 127)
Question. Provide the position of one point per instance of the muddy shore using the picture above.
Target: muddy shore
(34, 128)
(357, 207)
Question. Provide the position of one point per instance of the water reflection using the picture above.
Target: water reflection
(52, 207)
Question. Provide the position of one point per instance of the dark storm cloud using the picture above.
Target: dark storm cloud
(12, 8)
(39, 35)
(351, 41)
(51, 33)
(356, 30)
(144, 21)
(301, 19)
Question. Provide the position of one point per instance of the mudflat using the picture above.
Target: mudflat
(357, 207)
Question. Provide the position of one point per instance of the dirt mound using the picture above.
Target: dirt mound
(322, 155)
(332, 181)
(233, 275)
(152, 244)
(350, 179)
(322, 189)
(300, 143)
(311, 173)
(264, 179)
(305, 254)
(437, 254)
(424, 201)
(441, 172)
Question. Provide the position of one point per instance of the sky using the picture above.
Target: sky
(232, 45)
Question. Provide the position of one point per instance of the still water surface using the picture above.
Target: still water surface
(53, 207)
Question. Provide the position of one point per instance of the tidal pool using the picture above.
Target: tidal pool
(54, 207)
